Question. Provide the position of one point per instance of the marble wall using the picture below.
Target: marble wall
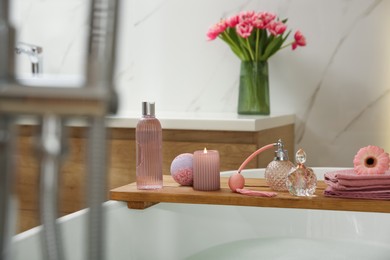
(338, 85)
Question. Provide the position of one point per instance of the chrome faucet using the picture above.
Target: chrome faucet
(34, 53)
(51, 107)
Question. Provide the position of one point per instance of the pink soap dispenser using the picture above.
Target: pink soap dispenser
(148, 138)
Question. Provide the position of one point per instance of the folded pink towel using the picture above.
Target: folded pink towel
(349, 180)
(368, 194)
(348, 184)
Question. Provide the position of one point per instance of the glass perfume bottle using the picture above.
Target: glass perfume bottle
(149, 149)
(277, 171)
(301, 181)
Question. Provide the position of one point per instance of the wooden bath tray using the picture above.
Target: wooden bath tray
(174, 193)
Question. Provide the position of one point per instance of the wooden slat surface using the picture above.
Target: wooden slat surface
(174, 193)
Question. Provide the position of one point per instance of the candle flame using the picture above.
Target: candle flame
(205, 150)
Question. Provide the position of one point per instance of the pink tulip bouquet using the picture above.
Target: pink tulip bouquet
(255, 36)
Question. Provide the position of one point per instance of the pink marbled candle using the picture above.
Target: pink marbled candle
(206, 171)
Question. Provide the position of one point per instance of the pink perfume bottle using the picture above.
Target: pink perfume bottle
(277, 171)
(148, 138)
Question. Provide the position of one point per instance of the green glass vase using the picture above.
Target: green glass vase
(253, 98)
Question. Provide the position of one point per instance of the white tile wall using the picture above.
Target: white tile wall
(338, 86)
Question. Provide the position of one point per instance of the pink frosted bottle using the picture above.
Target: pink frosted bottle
(148, 137)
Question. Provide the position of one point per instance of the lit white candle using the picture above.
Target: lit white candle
(206, 171)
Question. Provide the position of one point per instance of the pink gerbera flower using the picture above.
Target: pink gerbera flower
(371, 160)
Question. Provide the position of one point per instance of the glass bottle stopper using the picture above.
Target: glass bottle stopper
(300, 157)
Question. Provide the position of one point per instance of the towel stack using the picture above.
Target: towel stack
(348, 184)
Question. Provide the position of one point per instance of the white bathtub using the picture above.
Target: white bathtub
(180, 231)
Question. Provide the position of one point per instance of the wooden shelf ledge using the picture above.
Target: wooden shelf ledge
(174, 193)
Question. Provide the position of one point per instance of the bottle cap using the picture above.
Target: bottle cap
(148, 108)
